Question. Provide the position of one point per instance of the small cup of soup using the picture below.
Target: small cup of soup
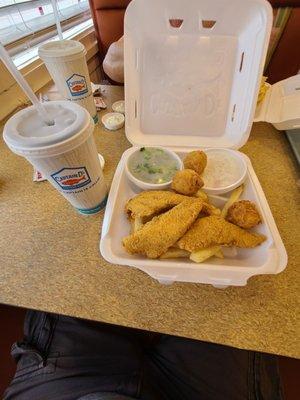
(152, 167)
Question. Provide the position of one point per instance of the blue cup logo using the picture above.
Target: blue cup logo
(71, 178)
(77, 85)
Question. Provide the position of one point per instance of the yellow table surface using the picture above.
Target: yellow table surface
(50, 258)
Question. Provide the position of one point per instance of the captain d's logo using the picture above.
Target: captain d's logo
(71, 178)
(77, 85)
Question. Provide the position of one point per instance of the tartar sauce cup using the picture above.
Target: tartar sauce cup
(226, 170)
(113, 121)
(147, 185)
(119, 106)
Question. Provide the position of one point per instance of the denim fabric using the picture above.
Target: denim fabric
(105, 396)
(64, 358)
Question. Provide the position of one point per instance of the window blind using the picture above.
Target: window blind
(24, 23)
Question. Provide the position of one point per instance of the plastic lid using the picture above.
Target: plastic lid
(192, 73)
(26, 133)
(61, 48)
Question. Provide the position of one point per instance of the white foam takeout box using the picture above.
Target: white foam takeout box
(192, 74)
(281, 104)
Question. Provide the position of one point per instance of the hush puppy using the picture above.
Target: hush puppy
(196, 160)
(244, 214)
(187, 182)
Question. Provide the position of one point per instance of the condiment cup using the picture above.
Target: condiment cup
(242, 170)
(116, 125)
(119, 106)
(152, 186)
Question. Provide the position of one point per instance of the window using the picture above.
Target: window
(26, 23)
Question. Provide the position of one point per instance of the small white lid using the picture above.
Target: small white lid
(27, 134)
(61, 49)
(196, 84)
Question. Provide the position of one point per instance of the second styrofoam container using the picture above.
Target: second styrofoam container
(281, 105)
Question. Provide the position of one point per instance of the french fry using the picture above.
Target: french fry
(204, 254)
(202, 195)
(235, 195)
(175, 253)
(264, 86)
(209, 209)
(219, 254)
(131, 225)
(137, 224)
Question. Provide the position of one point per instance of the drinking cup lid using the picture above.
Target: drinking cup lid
(26, 132)
(61, 48)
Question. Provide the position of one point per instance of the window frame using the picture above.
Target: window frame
(43, 34)
(35, 72)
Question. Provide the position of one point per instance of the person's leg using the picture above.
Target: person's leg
(64, 358)
(185, 369)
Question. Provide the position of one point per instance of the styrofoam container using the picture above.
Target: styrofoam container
(192, 74)
(281, 105)
(234, 269)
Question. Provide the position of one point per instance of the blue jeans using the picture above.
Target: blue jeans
(64, 358)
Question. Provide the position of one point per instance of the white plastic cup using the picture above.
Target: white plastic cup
(66, 63)
(64, 153)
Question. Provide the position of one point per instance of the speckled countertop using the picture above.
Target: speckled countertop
(50, 258)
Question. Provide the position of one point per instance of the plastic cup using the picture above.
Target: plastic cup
(66, 63)
(65, 153)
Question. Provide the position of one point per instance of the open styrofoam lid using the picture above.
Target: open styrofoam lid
(192, 70)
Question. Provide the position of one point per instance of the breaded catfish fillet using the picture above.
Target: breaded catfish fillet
(214, 230)
(156, 236)
(149, 203)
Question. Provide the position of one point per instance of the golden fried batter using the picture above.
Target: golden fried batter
(196, 160)
(209, 209)
(244, 214)
(187, 182)
(149, 203)
(214, 230)
(156, 236)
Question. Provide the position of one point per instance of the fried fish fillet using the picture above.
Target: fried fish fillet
(214, 230)
(156, 236)
(150, 203)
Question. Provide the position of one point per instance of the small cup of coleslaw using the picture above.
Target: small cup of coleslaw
(226, 170)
